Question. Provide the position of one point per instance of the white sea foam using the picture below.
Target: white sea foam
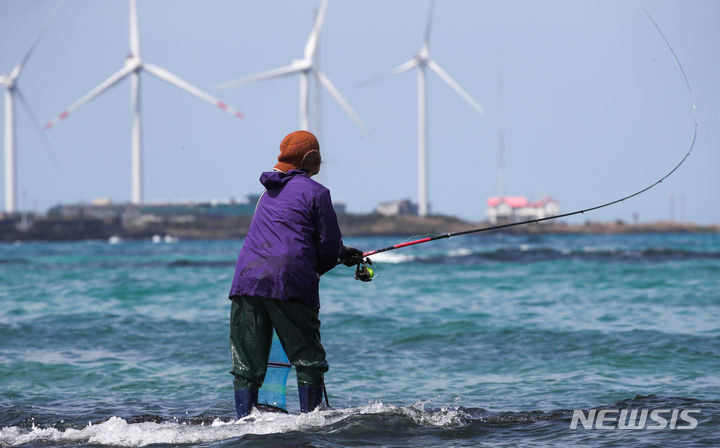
(462, 252)
(118, 432)
(114, 240)
(391, 257)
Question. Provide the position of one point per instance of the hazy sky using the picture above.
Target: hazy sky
(588, 97)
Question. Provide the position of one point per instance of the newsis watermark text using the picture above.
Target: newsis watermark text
(638, 419)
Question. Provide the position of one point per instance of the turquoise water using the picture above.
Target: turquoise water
(488, 340)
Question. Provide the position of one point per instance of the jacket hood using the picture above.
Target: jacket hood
(277, 179)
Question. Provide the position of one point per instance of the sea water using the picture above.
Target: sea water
(485, 340)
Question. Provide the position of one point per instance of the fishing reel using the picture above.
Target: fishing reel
(364, 271)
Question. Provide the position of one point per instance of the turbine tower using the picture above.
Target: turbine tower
(305, 67)
(133, 66)
(422, 61)
(9, 81)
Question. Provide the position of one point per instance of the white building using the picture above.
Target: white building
(396, 208)
(517, 208)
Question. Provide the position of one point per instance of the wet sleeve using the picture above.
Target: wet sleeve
(328, 238)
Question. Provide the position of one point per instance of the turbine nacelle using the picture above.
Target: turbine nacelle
(424, 52)
(132, 63)
(301, 65)
(8, 81)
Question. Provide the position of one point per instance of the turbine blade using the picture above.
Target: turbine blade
(43, 27)
(412, 63)
(343, 103)
(426, 44)
(455, 86)
(112, 80)
(312, 41)
(274, 73)
(179, 83)
(38, 128)
(134, 30)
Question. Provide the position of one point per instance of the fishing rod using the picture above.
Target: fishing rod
(365, 272)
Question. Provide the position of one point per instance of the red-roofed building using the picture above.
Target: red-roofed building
(517, 208)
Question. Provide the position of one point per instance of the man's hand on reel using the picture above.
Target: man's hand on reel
(349, 256)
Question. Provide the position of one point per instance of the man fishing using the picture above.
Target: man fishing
(294, 238)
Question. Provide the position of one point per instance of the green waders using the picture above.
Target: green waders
(252, 320)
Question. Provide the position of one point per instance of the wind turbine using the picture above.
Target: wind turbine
(305, 67)
(133, 66)
(422, 61)
(9, 81)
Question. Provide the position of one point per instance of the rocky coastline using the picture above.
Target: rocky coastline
(49, 228)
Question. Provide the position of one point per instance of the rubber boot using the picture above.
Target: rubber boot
(245, 399)
(310, 397)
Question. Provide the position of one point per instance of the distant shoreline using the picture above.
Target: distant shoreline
(360, 225)
(47, 228)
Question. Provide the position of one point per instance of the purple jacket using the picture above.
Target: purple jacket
(293, 239)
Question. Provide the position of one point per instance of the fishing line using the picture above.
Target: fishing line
(582, 211)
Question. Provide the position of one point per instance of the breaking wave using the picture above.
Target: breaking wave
(151, 429)
(373, 421)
